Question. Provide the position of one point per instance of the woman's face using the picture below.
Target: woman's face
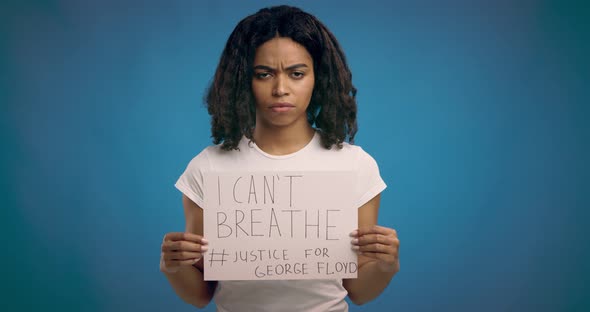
(282, 84)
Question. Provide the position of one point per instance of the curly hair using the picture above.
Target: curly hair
(229, 99)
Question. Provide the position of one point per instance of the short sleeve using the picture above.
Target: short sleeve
(369, 182)
(191, 181)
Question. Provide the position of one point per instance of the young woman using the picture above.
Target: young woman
(282, 99)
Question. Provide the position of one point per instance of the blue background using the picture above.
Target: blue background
(476, 113)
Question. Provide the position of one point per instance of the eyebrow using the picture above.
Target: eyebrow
(274, 69)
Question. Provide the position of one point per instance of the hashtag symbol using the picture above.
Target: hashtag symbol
(215, 257)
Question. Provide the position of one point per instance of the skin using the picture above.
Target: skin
(283, 73)
(181, 259)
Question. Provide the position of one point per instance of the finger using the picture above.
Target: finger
(373, 229)
(183, 246)
(188, 262)
(174, 265)
(374, 239)
(173, 236)
(191, 237)
(378, 248)
(182, 255)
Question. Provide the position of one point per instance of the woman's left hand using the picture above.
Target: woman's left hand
(379, 243)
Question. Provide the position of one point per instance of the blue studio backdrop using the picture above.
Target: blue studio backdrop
(475, 111)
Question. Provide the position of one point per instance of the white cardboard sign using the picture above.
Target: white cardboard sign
(279, 225)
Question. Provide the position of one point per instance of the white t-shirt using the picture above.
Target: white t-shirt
(287, 295)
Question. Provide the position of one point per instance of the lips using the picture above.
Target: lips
(281, 107)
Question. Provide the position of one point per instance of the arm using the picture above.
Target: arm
(378, 258)
(188, 281)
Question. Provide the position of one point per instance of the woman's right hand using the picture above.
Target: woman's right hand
(181, 249)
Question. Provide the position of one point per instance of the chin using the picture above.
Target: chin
(279, 122)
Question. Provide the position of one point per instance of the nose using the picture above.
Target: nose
(280, 86)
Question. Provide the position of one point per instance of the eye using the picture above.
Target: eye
(298, 75)
(262, 75)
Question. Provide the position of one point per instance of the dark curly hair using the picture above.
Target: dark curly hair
(229, 98)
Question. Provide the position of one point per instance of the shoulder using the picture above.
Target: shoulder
(356, 152)
(203, 158)
(214, 154)
(363, 161)
(349, 157)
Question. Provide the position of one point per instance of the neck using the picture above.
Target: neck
(278, 141)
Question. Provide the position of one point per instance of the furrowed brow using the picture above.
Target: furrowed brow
(264, 67)
(268, 68)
